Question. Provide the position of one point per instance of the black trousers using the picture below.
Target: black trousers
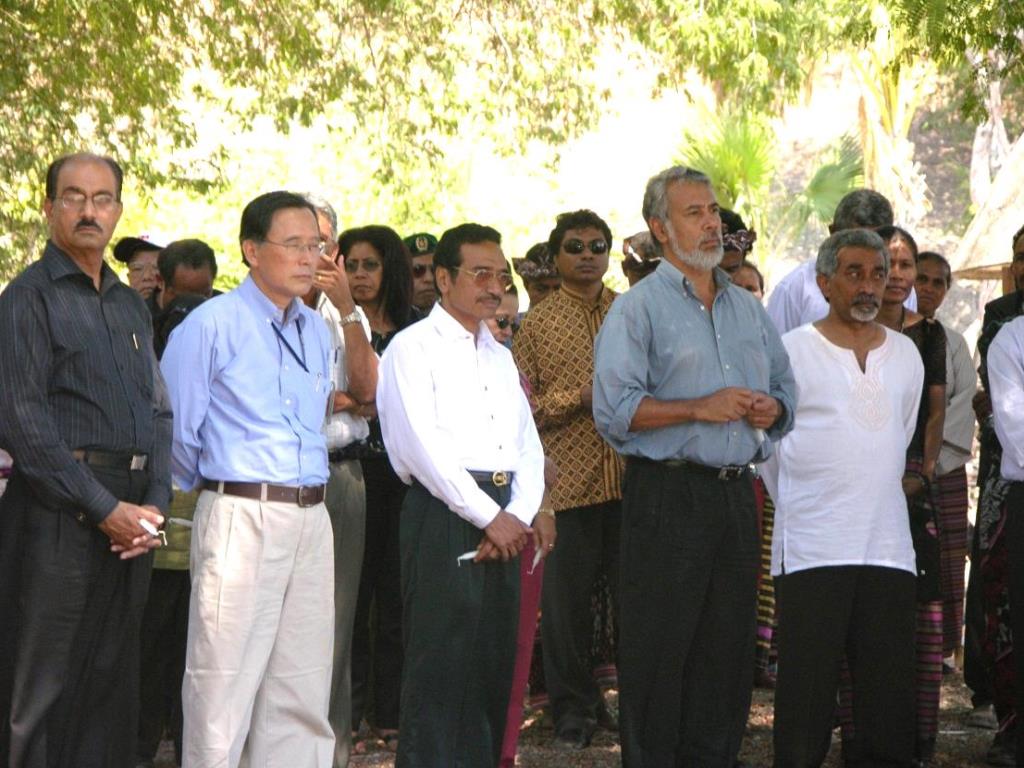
(588, 545)
(460, 625)
(70, 690)
(1015, 553)
(379, 588)
(976, 669)
(868, 613)
(688, 601)
(162, 645)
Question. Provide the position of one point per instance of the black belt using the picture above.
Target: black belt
(726, 472)
(498, 479)
(300, 495)
(348, 453)
(112, 459)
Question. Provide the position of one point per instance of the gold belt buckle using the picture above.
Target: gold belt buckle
(500, 478)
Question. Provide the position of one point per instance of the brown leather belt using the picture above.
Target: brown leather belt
(135, 462)
(300, 495)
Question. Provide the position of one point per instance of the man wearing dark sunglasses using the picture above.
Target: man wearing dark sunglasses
(555, 351)
(421, 258)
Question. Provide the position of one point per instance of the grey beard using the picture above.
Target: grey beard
(864, 314)
(705, 261)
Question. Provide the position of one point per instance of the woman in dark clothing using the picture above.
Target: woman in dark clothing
(380, 277)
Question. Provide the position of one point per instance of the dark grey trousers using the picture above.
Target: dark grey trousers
(460, 624)
(688, 599)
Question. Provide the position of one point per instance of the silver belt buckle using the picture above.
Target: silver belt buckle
(138, 462)
(500, 478)
(307, 496)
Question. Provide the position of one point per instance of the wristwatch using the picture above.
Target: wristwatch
(550, 512)
(351, 317)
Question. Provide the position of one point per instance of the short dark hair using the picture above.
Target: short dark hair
(938, 258)
(888, 233)
(396, 272)
(1016, 236)
(746, 264)
(862, 209)
(193, 254)
(449, 248)
(731, 221)
(581, 219)
(54, 171)
(258, 215)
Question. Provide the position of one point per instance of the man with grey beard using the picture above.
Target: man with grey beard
(691, 384)
(842, 555)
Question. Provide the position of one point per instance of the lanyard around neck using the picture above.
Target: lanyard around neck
(302, 345)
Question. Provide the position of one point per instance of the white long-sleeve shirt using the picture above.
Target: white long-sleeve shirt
(961, 384)
(837, 476)
(1005, 364)
(450, 403)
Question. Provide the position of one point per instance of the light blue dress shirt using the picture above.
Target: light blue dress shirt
(245, 410)
(660, 341)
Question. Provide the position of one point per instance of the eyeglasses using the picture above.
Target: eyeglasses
(484, 277)
(312, 249)
(101, 201)
(575, 246)
(504, 321)
(419, 270)
(369, 265)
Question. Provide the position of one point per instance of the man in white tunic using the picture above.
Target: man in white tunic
(842, 554)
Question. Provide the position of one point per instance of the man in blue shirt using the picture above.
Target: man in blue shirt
(249, 376)
(691, 382)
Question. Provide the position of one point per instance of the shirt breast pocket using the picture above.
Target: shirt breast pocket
(132, 349)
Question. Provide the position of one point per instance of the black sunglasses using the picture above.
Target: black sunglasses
(504, 321)
(575, 246)
(419, 270)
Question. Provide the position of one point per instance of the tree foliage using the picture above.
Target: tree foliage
(129, 77)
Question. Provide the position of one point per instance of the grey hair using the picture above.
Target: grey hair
(321, 206)
(862, 208)
(828, 253)
(656, 195)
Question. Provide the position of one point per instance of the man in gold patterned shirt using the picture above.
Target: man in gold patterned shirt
(554, 349)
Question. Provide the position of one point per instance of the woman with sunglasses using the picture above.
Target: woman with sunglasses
(377, 263)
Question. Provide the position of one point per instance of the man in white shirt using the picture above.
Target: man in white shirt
(842, 554)
(1005, 365)
(797, 299)
(459, 430)
(354, 382)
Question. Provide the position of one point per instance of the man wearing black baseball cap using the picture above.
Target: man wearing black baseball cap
(140, 255)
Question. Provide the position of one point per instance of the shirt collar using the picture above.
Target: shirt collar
(59, 265)
(575, 297)
(255, 298)
(671, 274)
(450, 328)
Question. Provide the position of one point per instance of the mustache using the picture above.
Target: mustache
(866, 299)
(88, 224)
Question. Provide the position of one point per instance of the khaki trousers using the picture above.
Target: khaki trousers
(260, 635)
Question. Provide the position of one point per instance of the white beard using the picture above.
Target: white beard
(705, 261)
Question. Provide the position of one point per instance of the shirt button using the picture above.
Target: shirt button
(734, 434)
(289, 402)
(80, 517)
(727, 367)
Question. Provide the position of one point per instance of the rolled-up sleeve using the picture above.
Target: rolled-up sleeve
(620, 372)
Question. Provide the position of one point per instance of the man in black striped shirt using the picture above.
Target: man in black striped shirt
(84, 412)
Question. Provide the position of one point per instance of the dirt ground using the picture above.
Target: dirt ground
(958, 745)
